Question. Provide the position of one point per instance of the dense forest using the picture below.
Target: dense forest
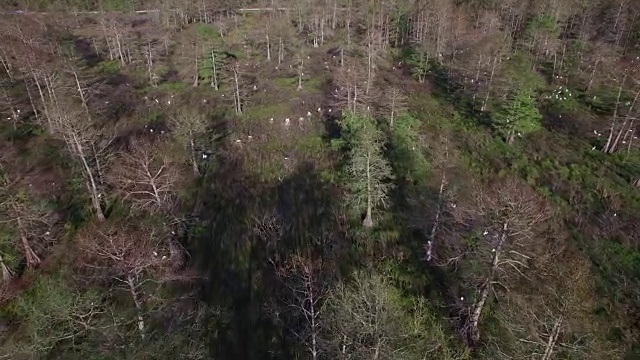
(330, 179)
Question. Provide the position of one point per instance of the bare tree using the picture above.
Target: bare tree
(130, 255)
(507, 221)
(395, 103)
(189, 126)
(31, 219)
(302, 277)
(147, 177)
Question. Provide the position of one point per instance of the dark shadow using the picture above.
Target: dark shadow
(237, 261)
(87, 52)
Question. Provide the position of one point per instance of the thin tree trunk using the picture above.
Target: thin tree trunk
(91, 183)
(300, 68)
(150, 66)
(32, 258)
(195, 77)
(493, 71)
(553, 338)
(235, 78)
(369, 69)
(193, 155)
(593, 74)
(44, 103)
(31, 101)
(214, 78)
(368, 220)
(137, 303)
(486, 289)
(268, 49)
(436, 222)
(608, 146)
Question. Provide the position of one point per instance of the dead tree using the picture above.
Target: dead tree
(131, 256)
(188, 126)
(301, 276)
(31, 220)
(146, 176)
(507, 220)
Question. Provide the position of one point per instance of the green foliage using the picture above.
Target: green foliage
(206, 32)
(408, 157)
(387, 324)
(419, 63)
(543, 26)
(368, 172)
(52, 312)
(108, 67)
(518, 73)
(518, 116)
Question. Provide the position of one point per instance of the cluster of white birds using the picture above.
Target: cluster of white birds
(561, 93)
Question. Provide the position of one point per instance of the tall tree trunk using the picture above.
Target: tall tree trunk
(214, 77)
(138, 304)
(194, 162)
(196, 75)
(368, 220)
(237, 93)
(608, 146)
(91, 183)
(485, 290)
(369, 69)
(493, 71)
(268, 49)
(436, 222)
(32, 258)
(300, 73)
(553, 338)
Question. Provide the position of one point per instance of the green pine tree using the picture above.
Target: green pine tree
(368, 171)
(517, 116)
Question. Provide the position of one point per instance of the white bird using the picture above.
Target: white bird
(485, 232)
(271, 120)
(155, 253)
(150, 130)
(47, 233)
(164, 257)
(319, 109)
(18, 111)
(309, 114)
(286, 121)
(238, 141)
(493, 250)
(249, 137)
(204, 156)
(461, 298)
(157, 100)
(593, 148)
